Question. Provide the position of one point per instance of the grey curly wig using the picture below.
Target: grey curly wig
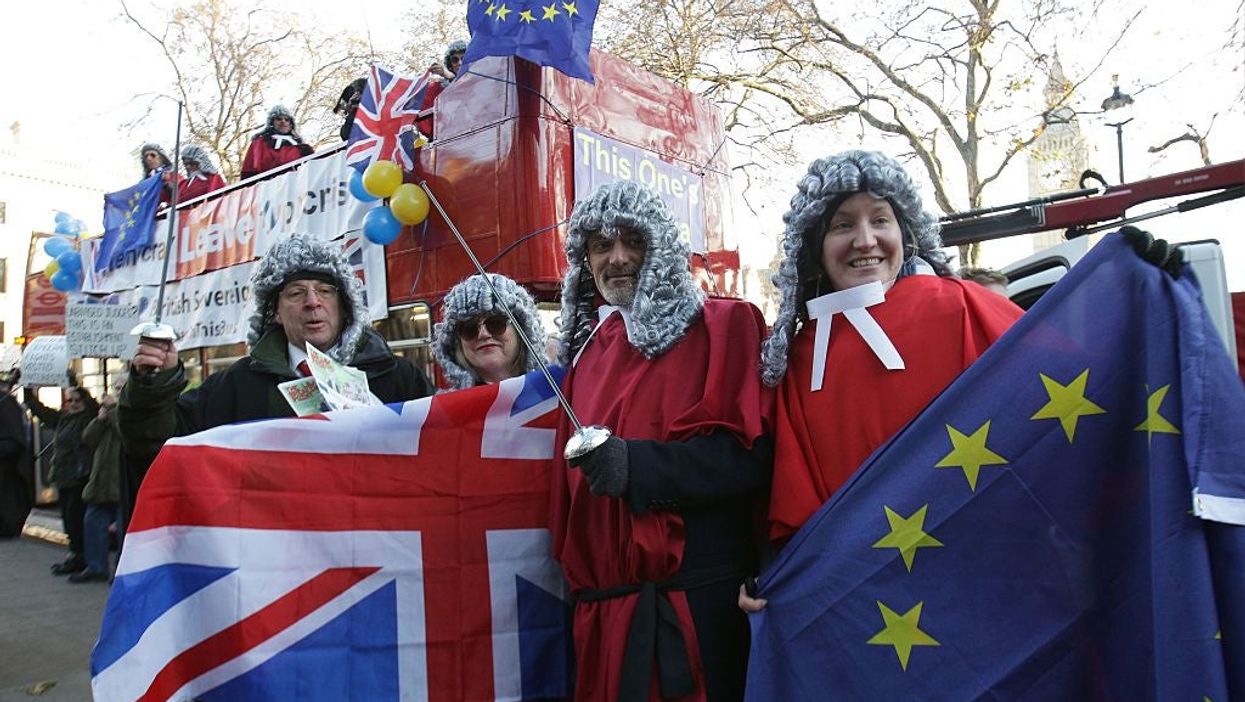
(472, 298)
(667, 299)
(819, 193)
(273, 113)
(153, 146)
(303, 254)
(200, 155)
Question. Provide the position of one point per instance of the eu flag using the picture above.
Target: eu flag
(129, 219)
(555, 33)
(1030, 535)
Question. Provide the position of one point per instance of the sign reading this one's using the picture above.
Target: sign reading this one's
(600, 160)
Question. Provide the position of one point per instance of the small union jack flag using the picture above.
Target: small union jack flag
(384, 124)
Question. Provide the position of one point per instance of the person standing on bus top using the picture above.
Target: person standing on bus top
(474, 343)
(202, 176)
(655, 528)
(304, 292)
(443, 74)
(154, 160)
(275, 145)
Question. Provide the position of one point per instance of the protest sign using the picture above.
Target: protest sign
(94, 330)
(45, 361)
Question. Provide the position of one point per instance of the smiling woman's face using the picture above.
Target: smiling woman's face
(863, 243)
(490, 346)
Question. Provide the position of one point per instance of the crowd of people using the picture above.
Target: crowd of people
(715, 421)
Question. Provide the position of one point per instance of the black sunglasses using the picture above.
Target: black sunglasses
(469, 330)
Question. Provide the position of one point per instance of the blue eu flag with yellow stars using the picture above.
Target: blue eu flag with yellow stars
(556, 33)
(1065, 522)
(129, 220)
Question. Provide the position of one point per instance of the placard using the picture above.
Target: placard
(44, 362)
(96, 330)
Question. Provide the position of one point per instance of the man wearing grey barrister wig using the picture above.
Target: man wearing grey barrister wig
(303, 292)
(474, 343)
(654, 529)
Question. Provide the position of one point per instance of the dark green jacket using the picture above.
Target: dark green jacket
(104, 487)
(71, 462)
(152, 409)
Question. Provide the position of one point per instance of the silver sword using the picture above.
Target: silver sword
(585, 438)
(157, 329)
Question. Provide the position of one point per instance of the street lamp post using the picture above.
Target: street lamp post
(1119, 101)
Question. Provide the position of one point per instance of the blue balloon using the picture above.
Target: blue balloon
(62, 217)
(357, 189)
(380, 226)
(65, 281)
(67, 228)
(70, 261)
(56, 246)
(80, 226)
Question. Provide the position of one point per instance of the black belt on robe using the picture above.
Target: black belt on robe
(655, 633)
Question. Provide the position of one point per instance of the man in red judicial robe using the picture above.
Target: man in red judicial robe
(871, 326)
(656, 528)
(202, 176)
(276, 145)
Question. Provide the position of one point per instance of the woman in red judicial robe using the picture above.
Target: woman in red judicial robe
(202, 176)
(871, 326)
(277, 145)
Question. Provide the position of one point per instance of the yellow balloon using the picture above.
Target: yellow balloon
(382, 178)
(409, 204)
(420, 141)
(51, 269)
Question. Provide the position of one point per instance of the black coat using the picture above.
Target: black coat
(153, 409)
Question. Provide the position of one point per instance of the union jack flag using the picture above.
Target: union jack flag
(386, 553)
(384, 124)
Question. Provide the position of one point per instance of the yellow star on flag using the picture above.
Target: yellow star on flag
(970, 453)
(902, 632)
(489, 10)
(1067, 402)
(551, 11)
(907, 534)
(570, 8)
(525, 16)
(1155, 423)
(502, 12)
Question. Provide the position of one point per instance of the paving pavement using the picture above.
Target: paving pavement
(47, 625)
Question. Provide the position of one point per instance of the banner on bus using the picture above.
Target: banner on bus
(215, 308)
(239, 226)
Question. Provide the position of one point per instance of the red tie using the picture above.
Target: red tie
(303, 369)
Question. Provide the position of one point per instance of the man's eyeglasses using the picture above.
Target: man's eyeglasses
(282, 119)
(299, 294)
(470, 329)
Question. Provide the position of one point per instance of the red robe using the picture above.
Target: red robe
(192, 187)
(708, 381)
(938, 325)
(262, 156)
(436, 86)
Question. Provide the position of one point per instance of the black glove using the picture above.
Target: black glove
(605, 467)
(1156, 251)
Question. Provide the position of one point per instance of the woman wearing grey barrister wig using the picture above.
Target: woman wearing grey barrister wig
(474, 343)
(857, 220)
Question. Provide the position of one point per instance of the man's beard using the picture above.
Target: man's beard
(625, 295)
